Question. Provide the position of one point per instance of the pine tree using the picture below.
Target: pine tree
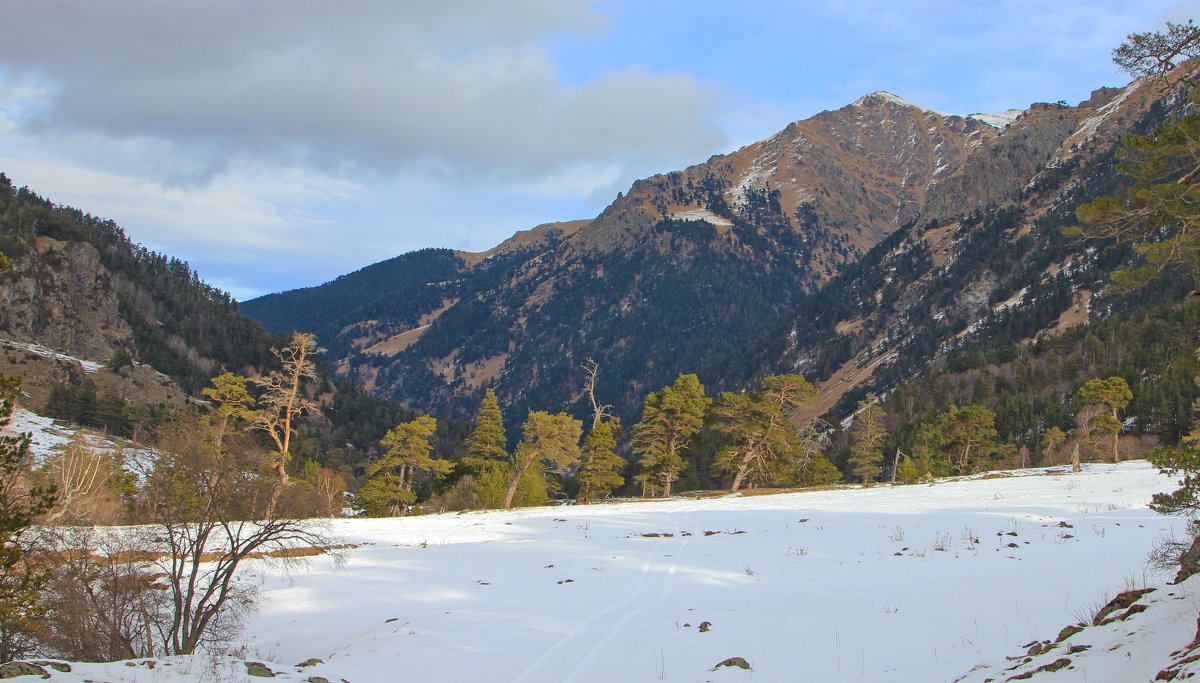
(600, 466)
(486, 443)
(1160, 214)
(960, 436)
(907, 471)
(235, 405)
(669, 419)
(1053, 440)
(550, 440)
(20, 581)
(392, 477)
(760, 427)
(1112, 393)
(813, 468)
(866, 440)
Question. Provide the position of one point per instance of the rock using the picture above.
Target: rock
(313, 661)
(1067, 633)
(1189, 561)
(733, 661)
(15, 669)
(259, 669)
(1123, 601)
(316, 679)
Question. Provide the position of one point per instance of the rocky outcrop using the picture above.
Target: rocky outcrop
(59, 295)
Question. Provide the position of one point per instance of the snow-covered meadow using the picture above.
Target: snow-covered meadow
(913, 583)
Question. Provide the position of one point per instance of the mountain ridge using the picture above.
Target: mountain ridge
(749, 235)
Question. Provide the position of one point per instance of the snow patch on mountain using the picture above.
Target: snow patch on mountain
(695, 214)
(39, 350)
(998, 119)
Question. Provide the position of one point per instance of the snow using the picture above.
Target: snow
(756, 175)
(49, 436)
(1014, 300)
(39, 350)
(913, 583)
(998, 119)
(702, 215)
(1087, 129)
(886, 96)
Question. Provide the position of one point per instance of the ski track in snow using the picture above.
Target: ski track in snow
(908, 584)
(602, 631)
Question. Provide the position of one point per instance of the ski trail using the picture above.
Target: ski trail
(571, 635)
(605, 635)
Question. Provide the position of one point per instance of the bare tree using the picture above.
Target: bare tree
(282, 402)
(199, 501)
(104, 602)
(80, 474)
(599, 412)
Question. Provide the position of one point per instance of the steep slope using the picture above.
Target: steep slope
(849, 246)
(685, 268)
(985, 264)
(80, 290)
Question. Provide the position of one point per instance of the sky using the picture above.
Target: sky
(279, 144)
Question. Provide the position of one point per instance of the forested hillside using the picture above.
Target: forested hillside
(761, 262)
(166, 316)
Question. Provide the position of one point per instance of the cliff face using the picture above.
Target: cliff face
(720, 267)
(60, 296)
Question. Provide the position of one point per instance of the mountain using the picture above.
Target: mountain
(858, 243)
(79, 293)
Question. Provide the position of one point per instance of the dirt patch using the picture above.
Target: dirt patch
(399, 342)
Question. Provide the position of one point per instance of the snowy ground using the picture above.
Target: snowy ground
(915, 583)
(49, 437)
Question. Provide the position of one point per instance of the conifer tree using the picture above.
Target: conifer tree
(392, 477)
(20, 581)
(1112, 393)
(1160, 213)
(547, 439)
(760, 425)
(600, 466)
(669, 419)
(235, 405)
(866, 440)
(486, 444)
(1053, 440)
(960, 436)
(907, 471)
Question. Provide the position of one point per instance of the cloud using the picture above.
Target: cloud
(462, 86)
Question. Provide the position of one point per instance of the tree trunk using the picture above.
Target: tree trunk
(280, 482)
(512, 488)
(1116, 438)
(741, 472)
(1075, 467)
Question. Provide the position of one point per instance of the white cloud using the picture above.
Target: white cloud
(381, 86)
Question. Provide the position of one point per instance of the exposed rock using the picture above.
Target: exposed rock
(733, 661)
(312, 661)
(16, 669)
(259, 669)
(61, 296)
(1123, 601)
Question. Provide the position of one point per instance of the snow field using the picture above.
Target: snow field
(915, 583)
(880, 584)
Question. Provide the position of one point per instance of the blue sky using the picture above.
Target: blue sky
(279, 144)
